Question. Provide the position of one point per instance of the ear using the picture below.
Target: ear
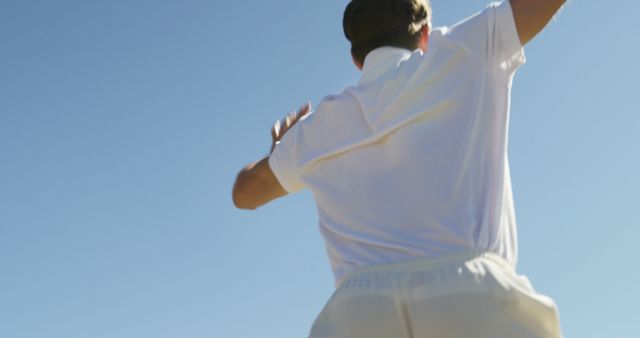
(357, 63)
(424, 38)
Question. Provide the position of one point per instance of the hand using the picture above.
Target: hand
(280, 127)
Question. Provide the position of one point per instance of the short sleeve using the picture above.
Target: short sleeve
(492, 35)
(283, 163)
(506, 49)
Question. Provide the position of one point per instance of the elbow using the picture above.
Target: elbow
(242, 197)
(241, 203)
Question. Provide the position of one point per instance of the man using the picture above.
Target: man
(410, 173)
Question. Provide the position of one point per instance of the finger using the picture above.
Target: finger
(276, 130)
(282, 126)
(304, 110)
(290, 120)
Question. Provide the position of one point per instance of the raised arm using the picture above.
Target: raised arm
(256, 184)
(531, 16)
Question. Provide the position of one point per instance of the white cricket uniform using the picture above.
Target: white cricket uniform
(411, 164)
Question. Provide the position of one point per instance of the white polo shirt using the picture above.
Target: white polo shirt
(412, 162)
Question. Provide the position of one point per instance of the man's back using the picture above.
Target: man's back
(411, 163)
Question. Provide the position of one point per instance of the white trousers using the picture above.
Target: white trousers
(467, 295)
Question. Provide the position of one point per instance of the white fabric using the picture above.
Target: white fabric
(459, 296)
(412, 162)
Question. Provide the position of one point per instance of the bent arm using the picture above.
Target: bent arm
(256, 185)
(531, 16)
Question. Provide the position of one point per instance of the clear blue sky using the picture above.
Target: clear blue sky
(123, 125)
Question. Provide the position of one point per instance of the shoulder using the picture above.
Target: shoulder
(472, 28)
(328, 117)
(335, 124)
(332, 107)
(344, 100)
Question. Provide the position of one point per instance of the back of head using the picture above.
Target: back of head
(370, 24)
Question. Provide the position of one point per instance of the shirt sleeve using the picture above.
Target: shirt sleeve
(493, 36)
(283, 163)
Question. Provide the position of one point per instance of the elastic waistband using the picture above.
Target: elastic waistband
(426, 263)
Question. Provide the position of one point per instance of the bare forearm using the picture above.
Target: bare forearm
(531, 16)
(256, 186)
(256, 183)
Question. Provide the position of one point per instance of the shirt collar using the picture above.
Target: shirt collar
(380, 60)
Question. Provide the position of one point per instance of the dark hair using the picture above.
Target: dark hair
(370, 24)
